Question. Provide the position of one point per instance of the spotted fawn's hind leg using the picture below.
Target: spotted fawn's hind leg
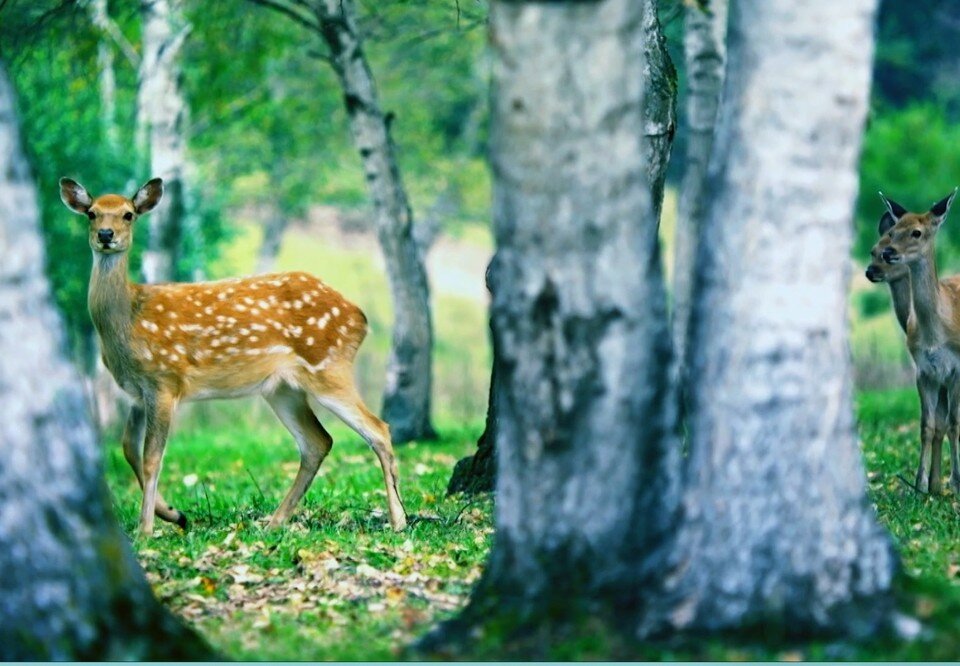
(314, 442)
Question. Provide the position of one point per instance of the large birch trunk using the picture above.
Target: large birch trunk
(778, 529)
(406, 400)
(578, 314)
(70, 588)
(161, 138)
(477, 473)
(705, 54)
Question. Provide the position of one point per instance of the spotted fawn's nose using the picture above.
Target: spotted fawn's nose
(105, 235)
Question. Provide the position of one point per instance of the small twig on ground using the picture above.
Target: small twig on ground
(462, 509)
(909, 485)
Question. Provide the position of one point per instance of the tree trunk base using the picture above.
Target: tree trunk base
(489, 630)
(477, 473)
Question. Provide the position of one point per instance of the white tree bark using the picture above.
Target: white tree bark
(161, 134)
(778, 528)
(406, 400)
(585, 421)
(705, 53)
(70, 588)
(108, 81)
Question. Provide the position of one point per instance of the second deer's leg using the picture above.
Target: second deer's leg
(159, 412)
(953, 436)
(291, 407)
(929, 393)
(348, 406)
(940, 429)
(133, 436)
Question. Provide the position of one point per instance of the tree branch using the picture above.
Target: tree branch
(109, 26)
(289, 12)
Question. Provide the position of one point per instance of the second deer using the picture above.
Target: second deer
(286, 336)
(933, 332)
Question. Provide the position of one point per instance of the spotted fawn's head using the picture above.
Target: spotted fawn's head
(111, 216)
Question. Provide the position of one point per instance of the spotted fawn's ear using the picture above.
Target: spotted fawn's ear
(148, 196)
(940, 209)
(894, 208)
(886, 223)
(74, 196)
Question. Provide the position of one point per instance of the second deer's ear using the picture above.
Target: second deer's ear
(940, 209)
(148, 196)
(886, 223)
(895, 209)
(74, 196)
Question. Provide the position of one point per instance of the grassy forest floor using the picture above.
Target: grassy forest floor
(338, 584)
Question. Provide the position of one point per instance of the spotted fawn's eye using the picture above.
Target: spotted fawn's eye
(128, 216)
(916, 233)
(91, 215)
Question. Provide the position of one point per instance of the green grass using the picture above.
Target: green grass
(926, 529)
(338, 584)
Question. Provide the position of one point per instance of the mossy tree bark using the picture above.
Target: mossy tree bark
(70, 587)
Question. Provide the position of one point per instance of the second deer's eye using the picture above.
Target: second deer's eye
(91, 215)
(128, 216)
(916, 233)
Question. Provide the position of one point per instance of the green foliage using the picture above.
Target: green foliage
(915, 57)
(913, 156)
(62, 134)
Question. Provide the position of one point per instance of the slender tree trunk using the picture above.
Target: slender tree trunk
(108, 81)
(70, 588)
(705, 53)
(406, 400)
(659, 101)
(778, 529)
(273, 229)
(585, 424)
(161, 138)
